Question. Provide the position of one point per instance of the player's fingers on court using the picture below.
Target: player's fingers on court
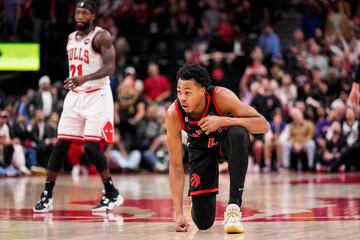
(182, 228)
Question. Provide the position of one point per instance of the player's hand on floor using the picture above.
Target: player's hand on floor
(182, 224)
(210, 124)
(73, 82)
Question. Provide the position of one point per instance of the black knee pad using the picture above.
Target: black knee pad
(58, 155)
(96, 156)
(237, 134)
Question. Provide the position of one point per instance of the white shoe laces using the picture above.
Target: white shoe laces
(232, 216)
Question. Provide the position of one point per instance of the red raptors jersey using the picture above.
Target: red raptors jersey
(83, 60)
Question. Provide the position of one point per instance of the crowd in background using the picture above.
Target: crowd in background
(301, 89)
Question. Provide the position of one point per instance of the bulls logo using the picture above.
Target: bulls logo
(195, 180)
(108, 132)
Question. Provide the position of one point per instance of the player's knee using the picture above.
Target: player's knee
(96, 156)
(58, 154)
(203, 222)
(238, 135)
(92, 147)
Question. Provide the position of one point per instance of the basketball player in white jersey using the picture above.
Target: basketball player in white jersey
(88, 108)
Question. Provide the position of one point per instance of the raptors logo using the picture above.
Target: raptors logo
(195, 180)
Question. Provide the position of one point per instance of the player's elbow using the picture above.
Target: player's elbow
(261, 127)
(266, 126)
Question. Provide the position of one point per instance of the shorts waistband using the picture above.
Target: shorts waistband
(86, 91)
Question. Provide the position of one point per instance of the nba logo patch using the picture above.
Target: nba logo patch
(108, 132)
(186, 119)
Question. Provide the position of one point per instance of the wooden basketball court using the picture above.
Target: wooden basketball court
(276, 206)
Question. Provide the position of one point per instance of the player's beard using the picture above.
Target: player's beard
(84, 27)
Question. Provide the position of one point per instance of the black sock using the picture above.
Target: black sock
(237, 200)
(49, 187)
(109, 187)
(237, 153)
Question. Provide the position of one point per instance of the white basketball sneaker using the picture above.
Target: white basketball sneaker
(232, 219)
(45, 204)
(109, 201)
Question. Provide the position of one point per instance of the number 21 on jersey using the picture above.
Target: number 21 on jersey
(73, 70)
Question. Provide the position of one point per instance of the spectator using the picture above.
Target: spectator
(254, 72)
(330, 149)
(119, 157)
(298, 136)
(129, 111)
(156, 87)
(270, 43)
(273, 141)
(43, 98)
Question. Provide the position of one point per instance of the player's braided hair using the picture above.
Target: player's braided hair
(196, 72)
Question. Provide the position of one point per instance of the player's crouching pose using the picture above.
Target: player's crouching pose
(217, 124)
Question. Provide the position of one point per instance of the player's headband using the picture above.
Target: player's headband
(86, 5)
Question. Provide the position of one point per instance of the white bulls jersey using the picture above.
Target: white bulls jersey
(83, 59)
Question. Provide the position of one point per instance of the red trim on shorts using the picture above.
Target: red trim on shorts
(206, 109)
(86, 91)
(70, 139)
(70, 135)
(92, 140)
(215, 104)
(179, 114)
(221, 150)
(92, 136)
(212, 190)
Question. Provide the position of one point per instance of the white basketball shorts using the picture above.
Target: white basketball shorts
(88, 116)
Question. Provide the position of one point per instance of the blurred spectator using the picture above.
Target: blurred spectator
(273, 151)
(351, 132)
(42, 136)
(298, 136)
(337, 21)
(120, 158)
(312, 12)
(129, 111)
(254, 72)
(11, 16)
(315, 59)
(270, 43)
(211, 16)
(43, 98)
(287, 93)
(156, 157)
(181, 22)
(330, 149)
(156, 87)
(265, 101)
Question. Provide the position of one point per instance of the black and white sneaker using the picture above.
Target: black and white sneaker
(109, 201)
(45, 204)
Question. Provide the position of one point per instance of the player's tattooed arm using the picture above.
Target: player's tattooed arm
(103, 42)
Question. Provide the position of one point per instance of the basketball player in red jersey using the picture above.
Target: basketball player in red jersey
(88, 108)
(217, 124)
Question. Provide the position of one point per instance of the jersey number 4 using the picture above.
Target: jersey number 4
(73, 69)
